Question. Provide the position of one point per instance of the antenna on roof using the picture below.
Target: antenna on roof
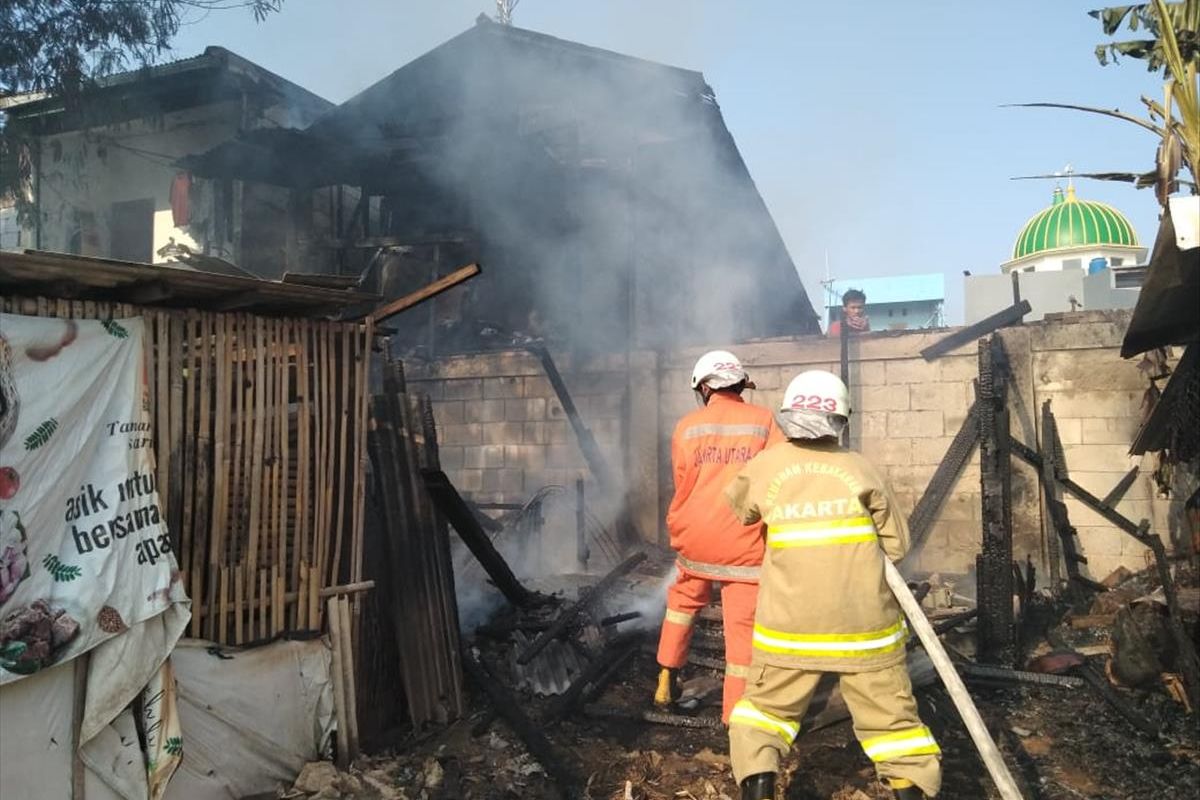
(504, 11)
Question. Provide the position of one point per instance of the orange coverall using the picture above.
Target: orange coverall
(708, 449)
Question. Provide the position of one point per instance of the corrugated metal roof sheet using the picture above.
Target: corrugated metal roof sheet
(891, 289)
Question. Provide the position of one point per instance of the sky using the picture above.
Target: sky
(874, 130)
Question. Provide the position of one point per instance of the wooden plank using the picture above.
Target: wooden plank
(350, 690)
(162, 402)
(239, 604)
(188, 483)
(302, 599)
(220, 477)
(339, 686)
(204, 542)
(303, 442)
(287, 546)
(256, 473)
(428, 292)
(342, 474)
(174, 494)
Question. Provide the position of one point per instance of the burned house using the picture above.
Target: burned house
(603, 194)
(100, 176)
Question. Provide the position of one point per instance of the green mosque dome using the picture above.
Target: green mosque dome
(1070, 222)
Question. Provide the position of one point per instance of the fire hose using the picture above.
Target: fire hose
(954, 685)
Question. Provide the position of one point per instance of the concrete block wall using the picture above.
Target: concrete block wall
(503, 434)
(905, 410)
(1096, 398)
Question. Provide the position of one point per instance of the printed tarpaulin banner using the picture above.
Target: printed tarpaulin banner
(84, 549)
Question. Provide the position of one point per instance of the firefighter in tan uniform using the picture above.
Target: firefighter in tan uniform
(823, 603)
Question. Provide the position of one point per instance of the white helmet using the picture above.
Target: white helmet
(718, 369)
(817, 390)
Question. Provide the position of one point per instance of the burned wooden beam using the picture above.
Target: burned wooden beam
(598, 685)
(450, 503)
(1031, 457)
(950, 623)
(618, 648)
(509, 709)
(938, 489)
(568, 615)
(619, 618)
(1001, 319)
(996, 629)
(1005, 675)
(426, 293)
(657, 717)
(1117, 492)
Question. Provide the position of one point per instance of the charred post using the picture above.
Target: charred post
(996, 631)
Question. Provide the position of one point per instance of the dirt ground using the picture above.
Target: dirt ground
(1063, 743)
(1068, 744)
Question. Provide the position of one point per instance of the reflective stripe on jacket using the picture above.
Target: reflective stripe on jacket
(710, 445)
(823, 603)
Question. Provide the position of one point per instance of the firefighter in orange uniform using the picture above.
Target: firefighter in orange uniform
(824, 604)
(709, 447)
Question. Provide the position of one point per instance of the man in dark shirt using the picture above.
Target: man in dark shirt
(854, 314)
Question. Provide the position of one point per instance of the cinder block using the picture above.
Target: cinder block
(605, 405)
(868, 373)
(911, 370)
(916, 424)
(958, 369)
(1093, 404)
(539, 386)
(484, 411)
(449, 412)
(466, 434)
(430, 388)
(472, 457)
(1109, 430)
(887, 451)
(768, 378)
(960, 506)
(492, 456)
(1070, 429)
(1081, 515)
(554, 410)
(502, 388)
(468, 480)
(534, 433)
(533, 408)
(1099, 457)
(1101, 483)
(508, 481)
(869, 424)
(938, 396)
(561, 455)
(1086, 370)
(559, 432)
(470, 389)
(502, 432)
(451, 458)
(930, 451)
(884, 398)
(1098, 541)
(525, 456)
(962, 536)
(908, 478)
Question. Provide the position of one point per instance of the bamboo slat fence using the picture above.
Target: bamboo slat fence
(261, 458)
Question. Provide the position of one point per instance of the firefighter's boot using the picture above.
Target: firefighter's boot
(668, 690)
(759, 787)
(905, 790)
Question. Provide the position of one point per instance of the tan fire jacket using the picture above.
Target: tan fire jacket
(823, 603)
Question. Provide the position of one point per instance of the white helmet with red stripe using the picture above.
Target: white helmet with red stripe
(817, 390)
(718, 369)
